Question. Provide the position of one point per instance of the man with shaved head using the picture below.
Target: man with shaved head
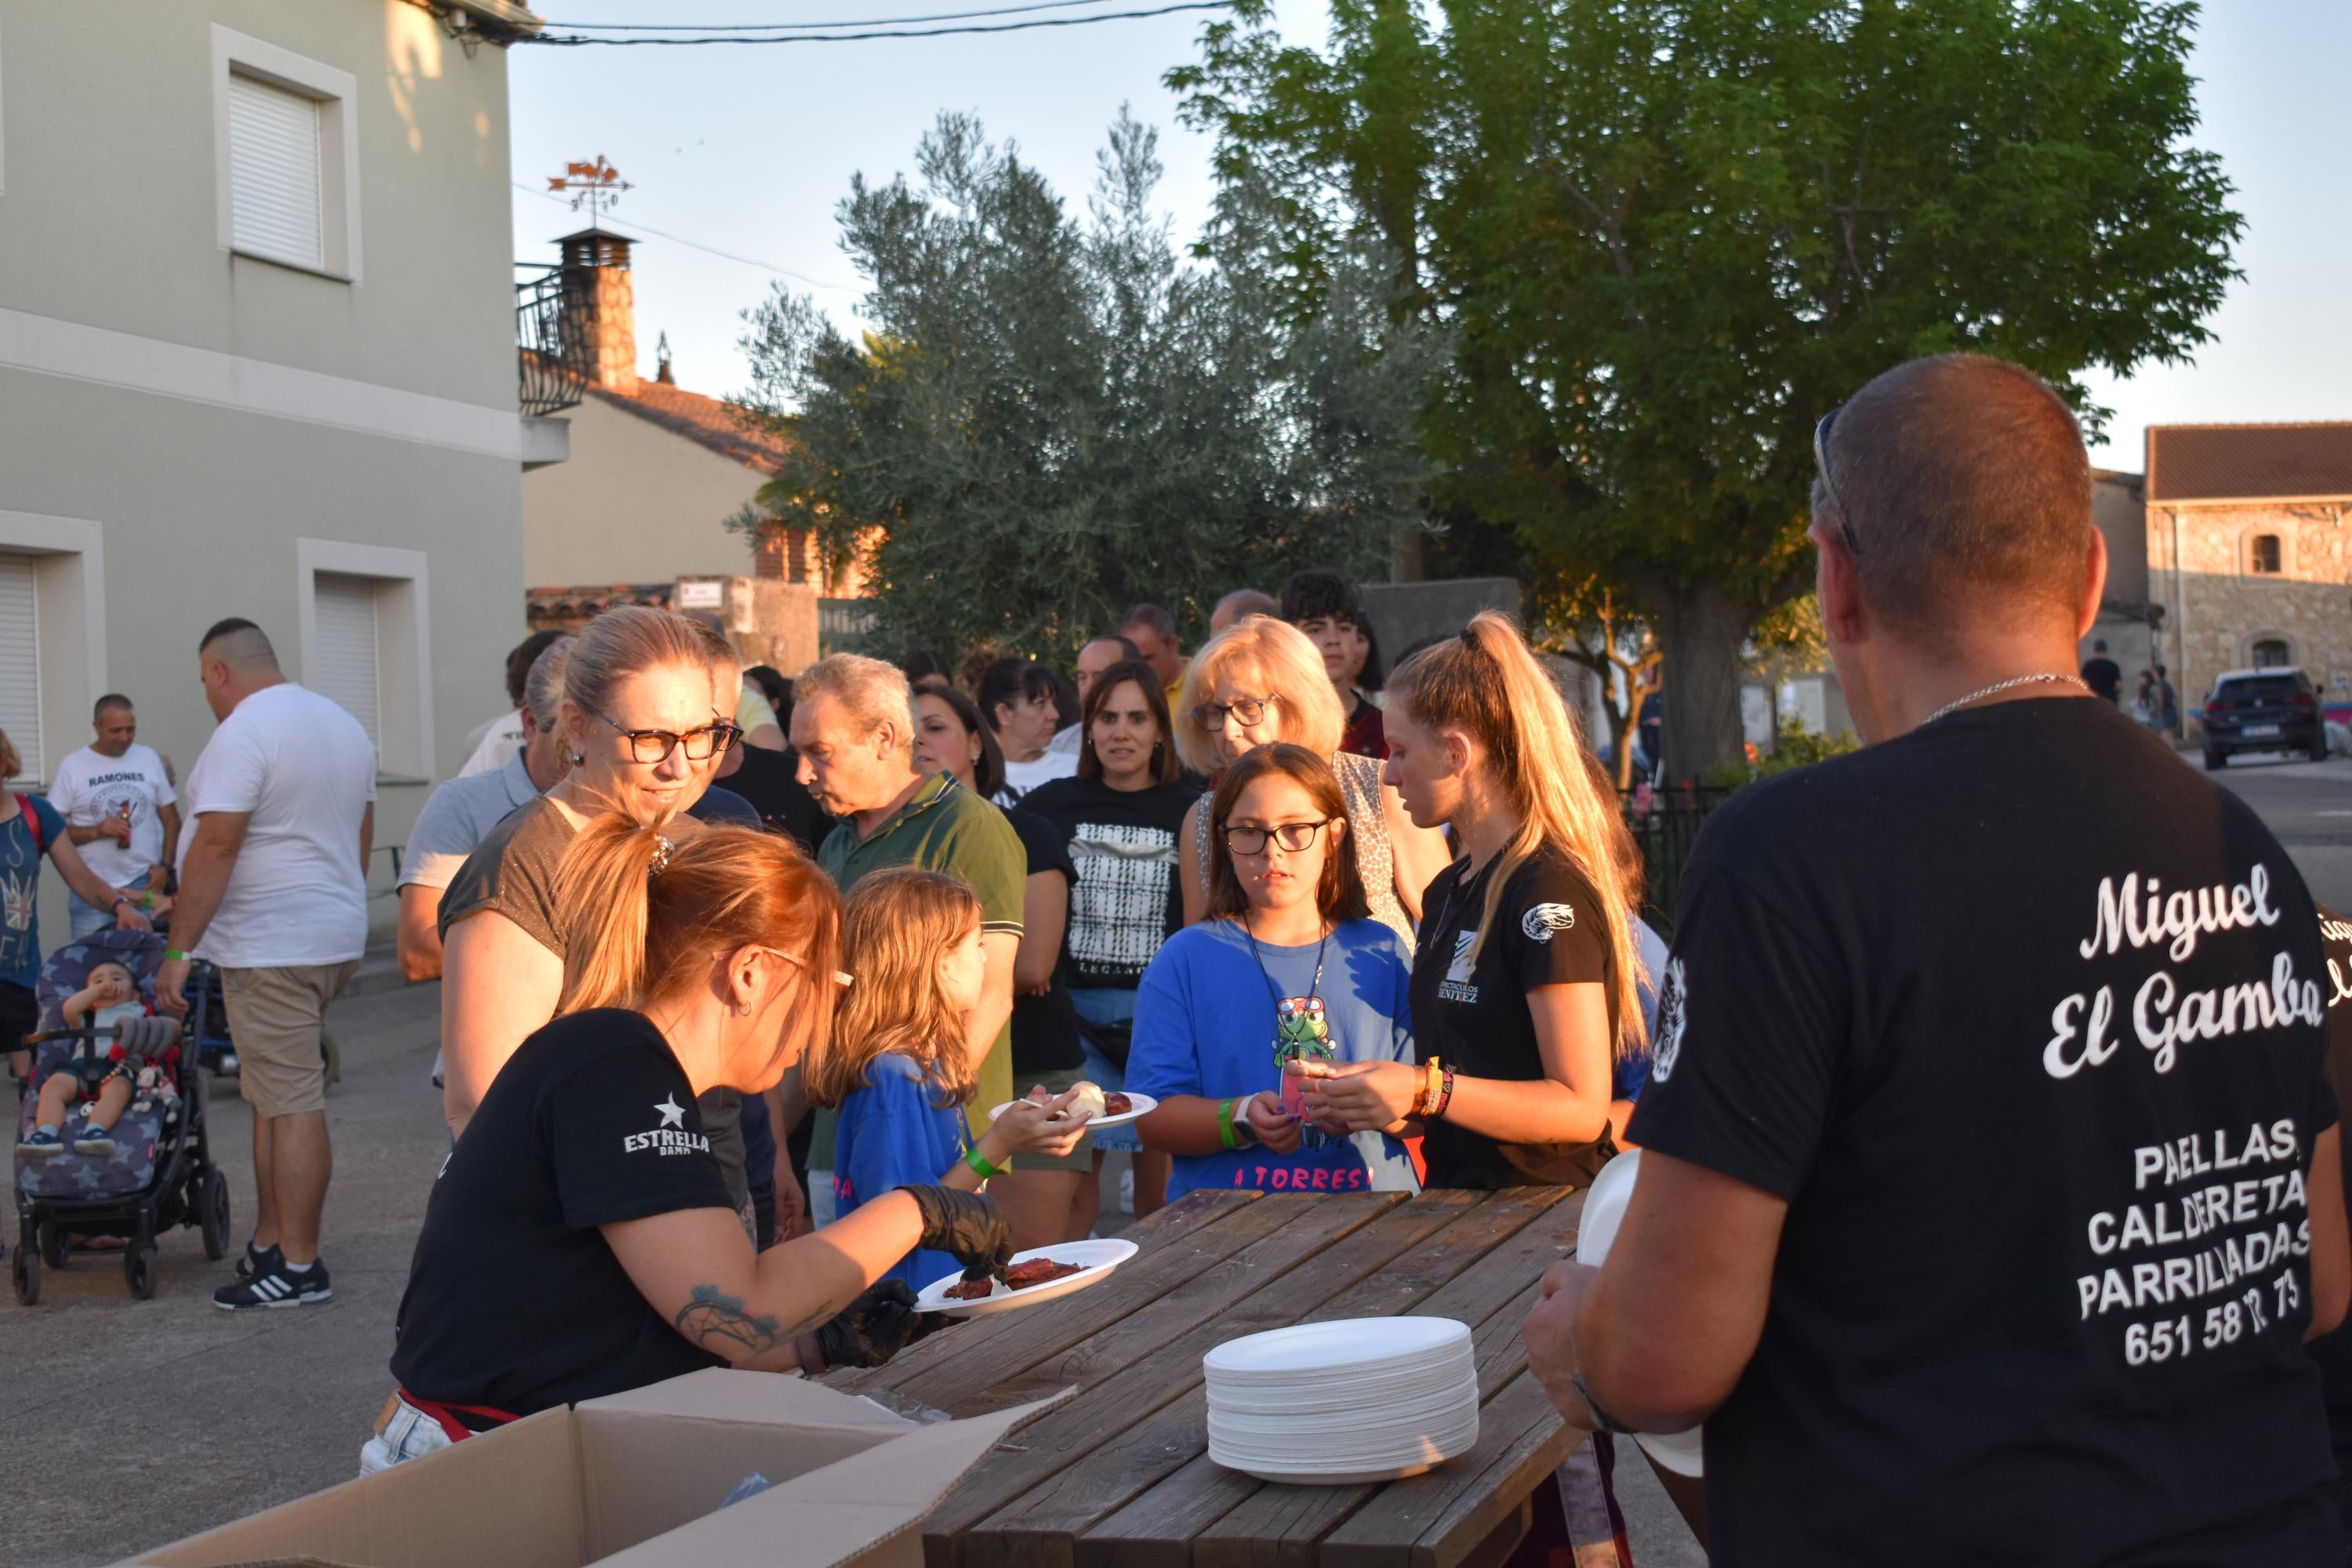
(273, 889)
(1989, 1182)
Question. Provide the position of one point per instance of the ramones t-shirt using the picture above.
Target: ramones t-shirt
(514, 1300)
(2022, 1017)
(1549, 929)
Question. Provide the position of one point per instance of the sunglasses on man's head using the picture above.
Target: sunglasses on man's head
(1829, 485)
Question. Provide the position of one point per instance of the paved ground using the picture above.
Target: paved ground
(2309, 806)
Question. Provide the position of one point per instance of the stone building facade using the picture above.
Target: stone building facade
(2248, 553)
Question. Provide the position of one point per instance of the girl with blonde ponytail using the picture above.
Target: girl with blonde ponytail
(580, 1240)
(1525, 982)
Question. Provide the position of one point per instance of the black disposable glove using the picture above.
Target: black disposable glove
(967, 1226)
(873, 1328)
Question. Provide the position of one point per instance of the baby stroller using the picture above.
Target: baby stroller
(161, 1174)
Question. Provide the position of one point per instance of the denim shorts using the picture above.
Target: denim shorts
(1107, 1005)
(410, 1434)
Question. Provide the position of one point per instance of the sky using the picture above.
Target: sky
(747, 148)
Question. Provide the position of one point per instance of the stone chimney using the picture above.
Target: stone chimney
(600, 297)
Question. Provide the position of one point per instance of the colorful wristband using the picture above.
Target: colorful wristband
(1225, 1124)
(173, 955)
(1445, 1096)
(984, 1164)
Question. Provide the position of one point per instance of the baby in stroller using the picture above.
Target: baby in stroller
(133, 1050)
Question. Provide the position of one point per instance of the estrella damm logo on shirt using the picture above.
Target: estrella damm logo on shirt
(669, 1138)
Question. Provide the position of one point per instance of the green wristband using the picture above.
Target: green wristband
(173, 955)
(982, 1163)
(1225, 1124)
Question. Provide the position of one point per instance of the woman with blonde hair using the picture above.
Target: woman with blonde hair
(1525, 994)
(580, 1241)
(646, 715)
(1260, 681)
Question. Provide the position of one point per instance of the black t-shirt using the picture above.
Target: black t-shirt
(770, 781)
(1548, 930)
(1127, 899)
(514, 1300)
(2103, 676)
(2334, 1353)
(2022, 1017)
(1045, 1028)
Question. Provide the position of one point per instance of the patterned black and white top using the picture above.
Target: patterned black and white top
(1125, 901)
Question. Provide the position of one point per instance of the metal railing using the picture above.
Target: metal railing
(1665, 824)
(842, 625)
(551, 342)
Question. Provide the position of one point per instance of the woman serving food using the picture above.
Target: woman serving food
(580, 1240)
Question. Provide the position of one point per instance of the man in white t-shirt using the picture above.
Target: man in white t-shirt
(120, 811)
(273, 889)
(495, 741)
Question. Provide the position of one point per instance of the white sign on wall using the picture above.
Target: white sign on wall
(710, 595)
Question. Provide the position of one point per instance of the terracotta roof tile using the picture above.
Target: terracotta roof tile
(2246, 462)
(711, 422)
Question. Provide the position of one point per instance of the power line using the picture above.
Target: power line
(811, 27)
(697, 245)
(577, 41)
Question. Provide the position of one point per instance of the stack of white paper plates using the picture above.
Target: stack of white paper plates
(1363, 1399)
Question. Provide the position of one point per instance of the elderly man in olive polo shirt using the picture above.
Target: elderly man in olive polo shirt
(853, 727)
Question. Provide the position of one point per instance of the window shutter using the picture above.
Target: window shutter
(342, 666)
(274, 180)
(20, 670)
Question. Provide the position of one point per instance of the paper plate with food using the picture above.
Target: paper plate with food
(1100, 1109)
(1039, 1275)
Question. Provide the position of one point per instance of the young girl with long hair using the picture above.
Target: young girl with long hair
(1524, 987)
(580, 1240)
(897, 1067)
(1287, 967)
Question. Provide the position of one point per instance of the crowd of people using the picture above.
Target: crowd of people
(1989, 1177)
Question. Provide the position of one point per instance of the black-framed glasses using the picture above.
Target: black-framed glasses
(1294, 837)
(656, 745)
(1250, 710)
(1829, 485)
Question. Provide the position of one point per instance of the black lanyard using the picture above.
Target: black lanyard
(1314, 992)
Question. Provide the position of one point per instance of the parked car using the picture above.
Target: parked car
(2263, 710)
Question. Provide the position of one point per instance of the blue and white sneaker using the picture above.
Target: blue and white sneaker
(89, 1138)
(277, 1286)
(44, 1143)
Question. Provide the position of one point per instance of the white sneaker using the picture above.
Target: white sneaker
(1127, 1190)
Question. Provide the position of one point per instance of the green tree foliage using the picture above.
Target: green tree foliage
(1049, 418)
(1667, 236)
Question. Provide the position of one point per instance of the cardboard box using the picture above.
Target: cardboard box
(635, 1481)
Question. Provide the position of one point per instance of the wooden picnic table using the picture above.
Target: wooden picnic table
(1119, 1473)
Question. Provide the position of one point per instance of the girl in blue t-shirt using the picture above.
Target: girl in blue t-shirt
(1287, 967)
(896, 1065)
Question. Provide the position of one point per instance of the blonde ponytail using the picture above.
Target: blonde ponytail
(603, 882)
(1487, 684)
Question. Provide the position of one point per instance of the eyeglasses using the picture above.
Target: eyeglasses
(1829, 486)
(701, 745)
(1294, 837)
(840, 977)
(1250, 710)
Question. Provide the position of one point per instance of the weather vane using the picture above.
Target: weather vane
(597, 186)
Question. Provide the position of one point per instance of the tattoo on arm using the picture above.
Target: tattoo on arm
(718, 1322)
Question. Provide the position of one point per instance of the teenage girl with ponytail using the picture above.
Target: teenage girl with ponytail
(1525, 980)
(580, 1240)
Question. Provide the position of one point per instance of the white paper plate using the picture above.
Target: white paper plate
(1143, 1103)
(1349, 1345)
(1339, 1471)
(1098, 1258)
(1604, 1210)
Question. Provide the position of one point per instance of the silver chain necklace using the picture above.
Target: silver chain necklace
(1984, 691)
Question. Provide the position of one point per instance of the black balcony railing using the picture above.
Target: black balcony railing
(551, 342)
(1665, 824)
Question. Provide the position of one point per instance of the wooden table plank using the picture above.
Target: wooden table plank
(1172, 1231)
(1110, 1454)
(1282, 1524)
(1435, 1520)
(1443, 1234)
(1155, 1531)
(1135, 1347)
